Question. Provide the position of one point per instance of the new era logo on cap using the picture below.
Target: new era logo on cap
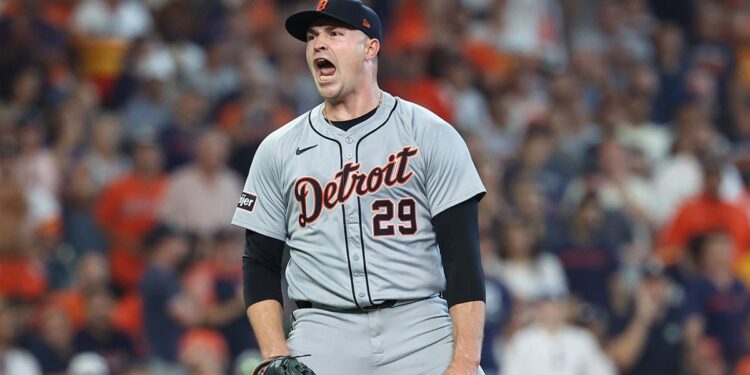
(365, 23)
(247, 201)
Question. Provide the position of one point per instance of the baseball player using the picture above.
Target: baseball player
(376, 199)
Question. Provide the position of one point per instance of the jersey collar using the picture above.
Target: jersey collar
(381, 115)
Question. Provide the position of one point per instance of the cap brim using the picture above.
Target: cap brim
(298, 23)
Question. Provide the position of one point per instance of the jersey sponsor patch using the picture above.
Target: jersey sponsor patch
(247, 201)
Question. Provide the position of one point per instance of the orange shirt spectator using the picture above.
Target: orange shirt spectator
(701, 214)
(128, 314)
(127, 210)
(743, 367)
(92, 276)
(22, 278)
(73, 303)
(704, 213)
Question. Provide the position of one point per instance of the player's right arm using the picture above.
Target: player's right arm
(262, 212)
(261, 267)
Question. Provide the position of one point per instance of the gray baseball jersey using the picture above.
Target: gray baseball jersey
(355, 207)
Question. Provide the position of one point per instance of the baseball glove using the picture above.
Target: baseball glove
(282, 365)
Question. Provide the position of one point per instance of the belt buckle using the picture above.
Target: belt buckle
(382, 305)
(371, 308)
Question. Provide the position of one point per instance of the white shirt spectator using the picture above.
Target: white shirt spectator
(127, 19)
(568, 351)
(680, 178)
(102, 170)
(18, 362)
(638, 190)
(528, 281)
(652, 139)
(531, 27)
(200, 205)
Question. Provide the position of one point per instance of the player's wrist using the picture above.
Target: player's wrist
(275, 352)
(465, 362)
(461, 369)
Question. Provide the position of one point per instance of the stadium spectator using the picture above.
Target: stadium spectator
(216, 284)
(538, 160)
(705, 212)
(127, 209)
(167, 310)
(179, 136)
(22, 275)
(553, 346)
(210, 186)
(15, 360)
(98, 335)
(91, 276)
(38, 172)
(524, 268)
(204, 352)
(52, 343)
(644, 335)
(679, 177)
(617, 186)
(14, 228)
(589, 252)
(88, 364)
(218, 76)
(527, 203)
(147, 111)
(499, 305)
(717, 304)
(105, 30)
(101, 163)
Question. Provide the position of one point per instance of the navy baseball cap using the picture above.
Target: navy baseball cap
(350, 12)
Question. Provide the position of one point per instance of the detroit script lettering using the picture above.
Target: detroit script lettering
(349, 181)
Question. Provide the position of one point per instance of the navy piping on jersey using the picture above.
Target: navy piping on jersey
(343, 210)
(359, 204)
(359, 209)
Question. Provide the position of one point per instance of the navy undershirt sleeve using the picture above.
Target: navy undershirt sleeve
(457, 230)
(261, 268)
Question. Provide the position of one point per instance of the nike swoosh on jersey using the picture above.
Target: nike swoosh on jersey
(301, 150)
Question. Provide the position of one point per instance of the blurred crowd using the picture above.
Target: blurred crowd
(612, 136)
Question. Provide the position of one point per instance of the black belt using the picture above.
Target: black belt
(363, 309)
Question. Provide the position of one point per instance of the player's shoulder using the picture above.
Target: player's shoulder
(285, 135)
(288, 130)
(424, 124)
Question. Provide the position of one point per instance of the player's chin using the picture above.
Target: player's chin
(328, 90)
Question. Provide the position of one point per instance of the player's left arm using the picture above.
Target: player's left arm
(454, 188)
(457, 230)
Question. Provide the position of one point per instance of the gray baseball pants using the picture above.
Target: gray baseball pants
(409, 339)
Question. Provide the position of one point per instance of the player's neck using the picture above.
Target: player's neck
(354, 105)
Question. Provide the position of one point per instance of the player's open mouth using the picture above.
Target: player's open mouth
(326, 69)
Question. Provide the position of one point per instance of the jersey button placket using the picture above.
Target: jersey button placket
(352, 226)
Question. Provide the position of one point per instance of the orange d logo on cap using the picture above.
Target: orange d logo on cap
(322, 4)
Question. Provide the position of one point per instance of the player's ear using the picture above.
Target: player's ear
(372, 47)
